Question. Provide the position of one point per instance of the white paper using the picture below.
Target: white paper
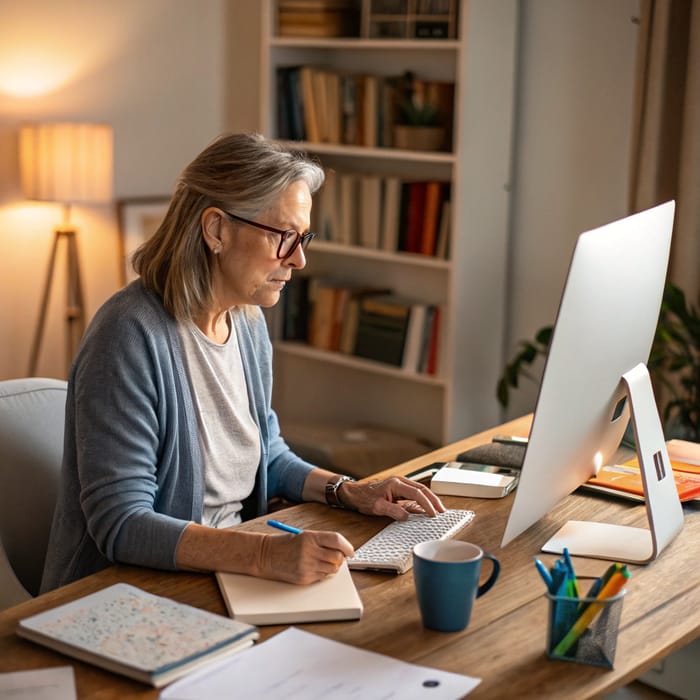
(45, 684)
(298, 664)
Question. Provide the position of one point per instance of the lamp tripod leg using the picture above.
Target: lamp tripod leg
(41, 323)
(75, 308)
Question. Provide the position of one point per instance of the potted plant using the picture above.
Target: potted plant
(674, 365)
(418, 125)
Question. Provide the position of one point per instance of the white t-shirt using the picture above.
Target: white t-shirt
(228, 435)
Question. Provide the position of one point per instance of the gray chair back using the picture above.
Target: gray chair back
(32, 416)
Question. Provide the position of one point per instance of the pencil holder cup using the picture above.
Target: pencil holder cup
(584, 630)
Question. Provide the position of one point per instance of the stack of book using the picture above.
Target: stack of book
(317, 18)
(384, 213)
(367, 322)
(399, 332)
(335, 313)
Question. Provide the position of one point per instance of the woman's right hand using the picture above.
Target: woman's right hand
(304, 558)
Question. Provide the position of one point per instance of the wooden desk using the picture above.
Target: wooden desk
(504, 643)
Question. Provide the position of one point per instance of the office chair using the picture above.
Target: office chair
(31, 451)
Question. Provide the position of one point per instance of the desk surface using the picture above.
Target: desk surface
(504, 643)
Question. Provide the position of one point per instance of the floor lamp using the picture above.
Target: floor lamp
(65, 163)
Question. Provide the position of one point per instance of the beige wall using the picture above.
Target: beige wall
(154, 69)
(572, 154)
(169, 74)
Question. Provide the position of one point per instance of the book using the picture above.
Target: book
(370, 104)
(431, 218)
(627, 478)
(685, 455)
(295, 105)
(348, 330)
(295, 309)
(381, 329)
(325, 210)
(433, 350)
(348, 214)
(315, 18)
(427, 339)
(370, 195)
(312, 131)
(414, 217)
(283, 104)
(324, 294)
(146, 637)
(453, 480)
(340, 304)
(318, 87)
(443, 235)
(264, 602)
(349, 117)
(415, 334)
(390, 217)
(333, 108)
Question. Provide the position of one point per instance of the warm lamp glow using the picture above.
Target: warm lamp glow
(66, 162)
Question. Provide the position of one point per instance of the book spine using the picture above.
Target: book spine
(295, 310)
(311, 124)
(415, 334)
(431, 215)
(381, 331)
(433, 346)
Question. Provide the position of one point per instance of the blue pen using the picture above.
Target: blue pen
(558, 574)
(546, 576)
(568, 562)
(573, 583)
(284, 526)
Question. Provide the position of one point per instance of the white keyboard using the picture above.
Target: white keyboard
(391, 549)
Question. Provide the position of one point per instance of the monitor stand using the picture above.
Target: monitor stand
(621, 542)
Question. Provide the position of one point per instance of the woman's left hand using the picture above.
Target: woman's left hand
(395, 497)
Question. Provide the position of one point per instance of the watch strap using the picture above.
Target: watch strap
(332, 488)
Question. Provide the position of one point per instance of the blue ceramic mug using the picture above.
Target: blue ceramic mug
(446, 574)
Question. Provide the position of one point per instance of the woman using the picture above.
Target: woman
(170, 436)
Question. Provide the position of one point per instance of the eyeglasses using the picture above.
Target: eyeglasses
(289, 241)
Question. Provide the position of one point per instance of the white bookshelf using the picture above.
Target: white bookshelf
(315, 385)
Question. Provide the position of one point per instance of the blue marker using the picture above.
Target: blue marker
(573, 583)
(568, 562)
(285, 527)
(546, 576)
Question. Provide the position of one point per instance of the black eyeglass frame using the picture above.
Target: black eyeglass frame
(302, 239)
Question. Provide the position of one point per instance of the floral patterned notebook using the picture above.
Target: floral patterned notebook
(144, 636)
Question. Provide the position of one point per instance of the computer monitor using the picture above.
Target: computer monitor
(594, 379)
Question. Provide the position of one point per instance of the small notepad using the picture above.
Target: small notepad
(263, 602)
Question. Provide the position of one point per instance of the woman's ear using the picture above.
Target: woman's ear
(211, 229)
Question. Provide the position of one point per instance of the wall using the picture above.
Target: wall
(572, 154)
(155, 71)
(169, 74)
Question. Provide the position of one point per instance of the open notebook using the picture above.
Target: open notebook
(263, 602)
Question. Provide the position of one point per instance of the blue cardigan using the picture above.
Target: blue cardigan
(132, 469)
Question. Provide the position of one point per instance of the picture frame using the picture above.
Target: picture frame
(137, 218)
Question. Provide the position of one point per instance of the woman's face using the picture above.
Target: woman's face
(247, 269)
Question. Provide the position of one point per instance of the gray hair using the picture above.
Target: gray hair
(244, 173)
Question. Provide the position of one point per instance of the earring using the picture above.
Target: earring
(217, 250)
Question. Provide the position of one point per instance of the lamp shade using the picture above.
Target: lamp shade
(66, 162)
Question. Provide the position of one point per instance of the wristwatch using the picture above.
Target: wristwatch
(332, 488)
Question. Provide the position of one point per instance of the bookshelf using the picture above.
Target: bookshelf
(476, 55)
